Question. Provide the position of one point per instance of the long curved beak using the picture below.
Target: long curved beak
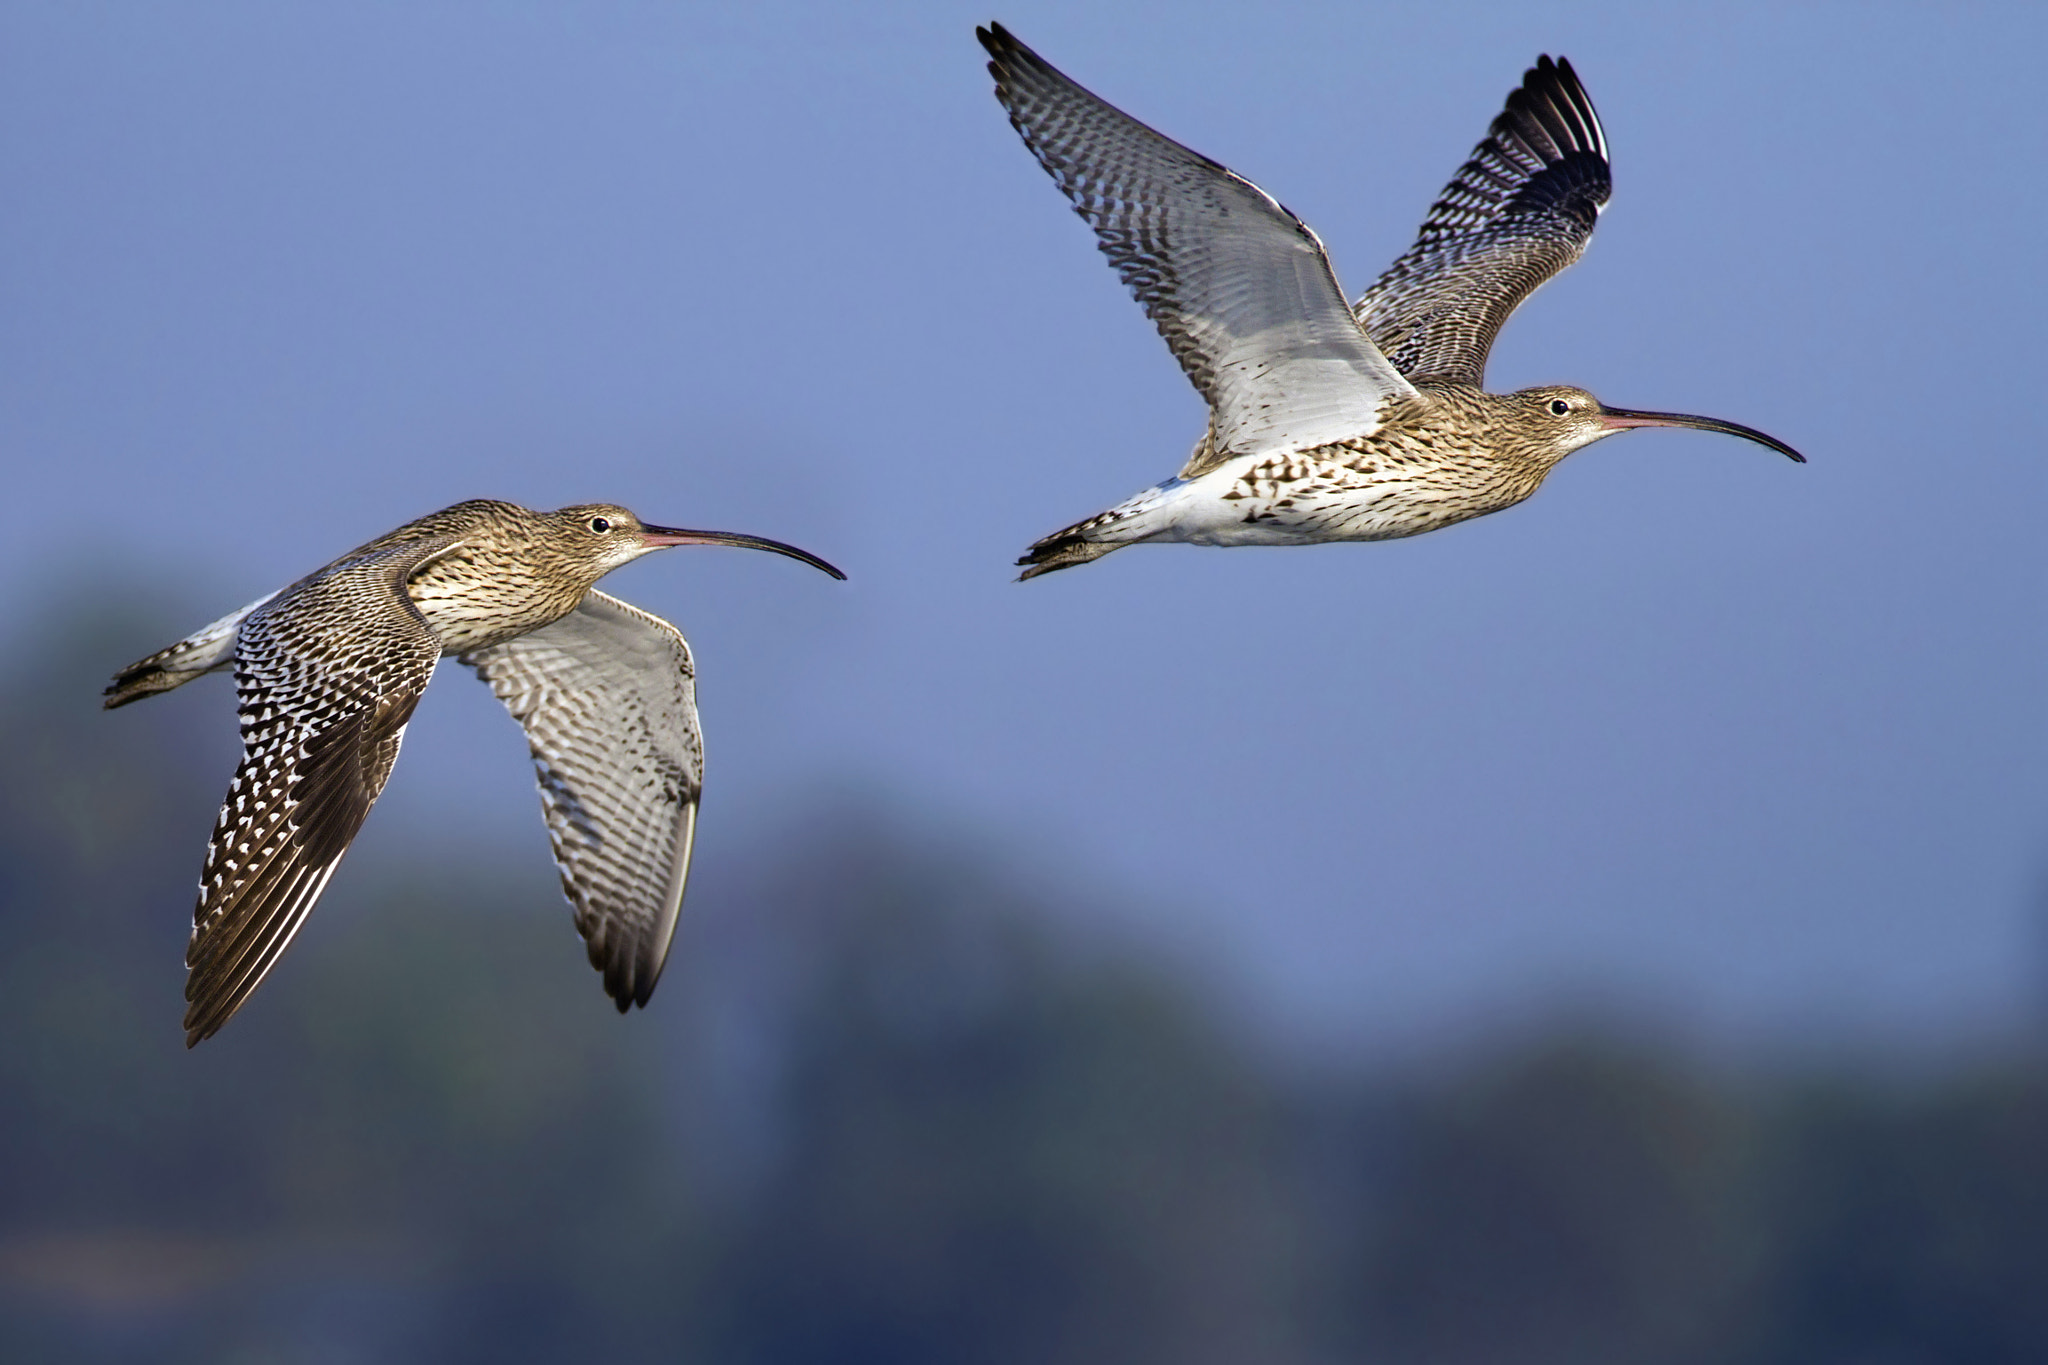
(656, 537)
(1620, 419)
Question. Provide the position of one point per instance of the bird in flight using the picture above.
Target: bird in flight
(328, 670)
(1327, 421)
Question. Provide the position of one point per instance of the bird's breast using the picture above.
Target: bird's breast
(1384, 487)
(473, 600)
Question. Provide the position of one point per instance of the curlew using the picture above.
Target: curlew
(328, 670)
(1330, 422)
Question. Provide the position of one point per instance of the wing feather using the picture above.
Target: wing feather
(326, 676)
(1241, 289)
(1519, 211)
(607, 696)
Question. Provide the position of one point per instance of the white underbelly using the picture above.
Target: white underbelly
(1204, 513)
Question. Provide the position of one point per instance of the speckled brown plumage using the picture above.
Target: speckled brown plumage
(1328, 421)
(328, 671)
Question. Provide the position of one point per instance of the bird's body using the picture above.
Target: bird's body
(329, 669)
(1419, 472)
(1331, 421)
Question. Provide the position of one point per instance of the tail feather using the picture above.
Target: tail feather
(1063, 550)
(205, 650)
(1139, 518)
(144, 679)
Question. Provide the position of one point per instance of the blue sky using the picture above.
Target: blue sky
(1752, 747)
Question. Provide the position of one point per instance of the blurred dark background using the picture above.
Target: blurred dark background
(892, 1104)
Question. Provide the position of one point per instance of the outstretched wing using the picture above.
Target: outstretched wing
(1240, 288)
(326, 676)
(608, 698)
(1519, 211)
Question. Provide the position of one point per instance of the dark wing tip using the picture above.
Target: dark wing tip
(998, 41)
(628, 983)
(628, 966)
(1011, 65)
(207, 1010)
(1552, 105)
(640, 970)
(1548, 125)
(1001, 46)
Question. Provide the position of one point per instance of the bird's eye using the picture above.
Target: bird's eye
(600, 524)
(1560, 406)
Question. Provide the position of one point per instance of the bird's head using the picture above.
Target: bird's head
(595, 538)
(1558, 419)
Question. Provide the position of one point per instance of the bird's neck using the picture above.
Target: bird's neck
(1493, 423)
(476, 596)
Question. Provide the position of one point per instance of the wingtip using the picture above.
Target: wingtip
(200, 1025)
(1552, 93)
(1006, 53)
(644, 982)
(629, 979)
(1549, 69)
(204, 1014)
(627, 996)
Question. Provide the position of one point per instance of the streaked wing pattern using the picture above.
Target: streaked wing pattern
(321, 722)
(1240, 288)
(1519, 211)
(607, 696)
